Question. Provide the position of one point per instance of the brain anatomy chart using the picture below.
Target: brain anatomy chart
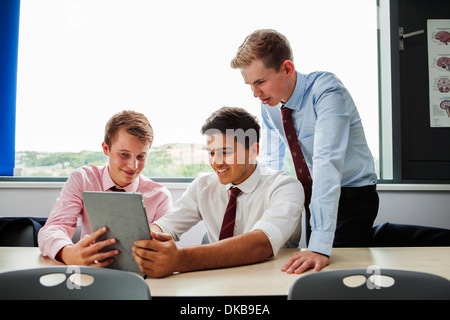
(439, 72)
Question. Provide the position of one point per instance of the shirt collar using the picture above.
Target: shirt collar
(295, 101)
(249, 184)
(109, 183)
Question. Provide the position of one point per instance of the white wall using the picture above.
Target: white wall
(409, 204)
(36, 199)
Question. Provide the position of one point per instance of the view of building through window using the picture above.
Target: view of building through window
(81, 61)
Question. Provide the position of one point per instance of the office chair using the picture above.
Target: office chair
(72, 283)
(205, 238)
(370, 284)
(20, 231)
(404, 235)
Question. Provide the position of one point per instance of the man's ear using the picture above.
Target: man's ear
(288, 68)
(254, 151)
(105, 148)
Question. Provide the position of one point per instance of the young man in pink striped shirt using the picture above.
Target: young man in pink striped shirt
(128, 138)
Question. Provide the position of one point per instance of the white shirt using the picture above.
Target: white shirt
(271, 201)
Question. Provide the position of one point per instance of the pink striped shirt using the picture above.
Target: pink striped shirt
(62, 221)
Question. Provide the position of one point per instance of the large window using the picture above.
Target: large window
(81, 61)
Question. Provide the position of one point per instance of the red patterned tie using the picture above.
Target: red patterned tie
(230, 215)
(301, 169)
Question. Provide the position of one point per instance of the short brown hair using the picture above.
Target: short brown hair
(269, 45)
(134, 123)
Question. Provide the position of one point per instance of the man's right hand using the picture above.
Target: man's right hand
(305, 260)
(86, 251)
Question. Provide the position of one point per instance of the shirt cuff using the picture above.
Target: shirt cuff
(321, 242)
(56, 247)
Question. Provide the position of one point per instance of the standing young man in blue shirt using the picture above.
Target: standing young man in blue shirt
(344, 201)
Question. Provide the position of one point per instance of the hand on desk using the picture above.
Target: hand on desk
(161, 257)
(86, 251)
(304, 260)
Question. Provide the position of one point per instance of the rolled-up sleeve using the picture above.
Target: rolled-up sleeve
(281, 219)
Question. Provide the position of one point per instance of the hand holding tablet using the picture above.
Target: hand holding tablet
(124, 216)
(88, 251)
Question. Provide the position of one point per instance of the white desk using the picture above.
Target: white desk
(262, 279)
(266, 279)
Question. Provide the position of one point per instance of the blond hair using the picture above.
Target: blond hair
(134, 123)
(269, 45)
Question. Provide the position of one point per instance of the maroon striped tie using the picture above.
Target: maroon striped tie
(115, 189)
(301, 169)
(230, 215)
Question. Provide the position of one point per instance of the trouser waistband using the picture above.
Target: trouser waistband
(350, 192)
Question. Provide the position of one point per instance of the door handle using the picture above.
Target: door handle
(402, 36)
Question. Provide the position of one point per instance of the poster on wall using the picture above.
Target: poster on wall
(439, 71)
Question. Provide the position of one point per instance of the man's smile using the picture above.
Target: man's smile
(129, 173)
(222, 172)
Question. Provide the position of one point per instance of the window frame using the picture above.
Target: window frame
(385, 144)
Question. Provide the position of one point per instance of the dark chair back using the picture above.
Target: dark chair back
(72, 283)
(370, 284)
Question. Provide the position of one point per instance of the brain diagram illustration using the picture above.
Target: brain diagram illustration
(439, 71)
(444, 63)
(446, 106)
(443, 36)
(443, 85)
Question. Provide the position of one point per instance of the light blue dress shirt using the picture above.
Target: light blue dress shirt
(332, 139)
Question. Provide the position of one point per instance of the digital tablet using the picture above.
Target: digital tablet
(123, 213)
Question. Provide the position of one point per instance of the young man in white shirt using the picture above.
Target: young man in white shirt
(268, 208)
